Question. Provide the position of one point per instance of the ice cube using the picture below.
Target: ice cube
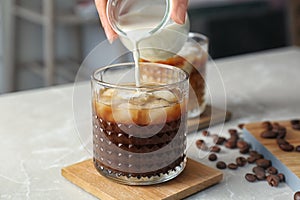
(166, 95)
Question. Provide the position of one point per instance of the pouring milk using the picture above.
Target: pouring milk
(145, 28)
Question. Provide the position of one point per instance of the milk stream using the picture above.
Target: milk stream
(137, 26)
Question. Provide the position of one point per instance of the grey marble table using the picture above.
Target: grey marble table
(38, 133)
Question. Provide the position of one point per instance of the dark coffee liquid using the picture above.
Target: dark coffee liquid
(137, 149)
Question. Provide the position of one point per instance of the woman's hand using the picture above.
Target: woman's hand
(177, 14)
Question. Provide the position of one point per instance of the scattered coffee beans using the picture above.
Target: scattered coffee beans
(250, 177)
(221, 165)
(212, 157)
(273, 180)
(297, 196)
(297, 148)
(232, 166)
(263, 169)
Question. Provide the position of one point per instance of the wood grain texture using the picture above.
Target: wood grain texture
(210, 116)
(289, 159)
(194, 178)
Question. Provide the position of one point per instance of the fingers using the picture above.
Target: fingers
(179, 11)
(101, 8)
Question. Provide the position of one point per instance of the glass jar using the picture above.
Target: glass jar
(148, 23)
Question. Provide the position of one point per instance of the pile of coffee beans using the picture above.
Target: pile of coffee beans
(263, 169)
(278, 132)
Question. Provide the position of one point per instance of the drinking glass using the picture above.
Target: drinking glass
(139, 132)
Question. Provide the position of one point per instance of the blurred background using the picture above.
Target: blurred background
(43, 42)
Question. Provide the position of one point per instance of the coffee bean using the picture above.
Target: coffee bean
(286, 147)
(241, 126)
(251, 159)
(296, 126)
(230, 144)
(269, 134)
(264, 163)
(215, 149)
(244, 150)
(281, 135)
(281, 141)
(219, 140)
(272, 170)
(273, 180)
(221, 165)
(297, 148)
(242, 144)
(232, 131)
(258, 169)
(280, 130)
(232, 166)
(259, 172)
(253, 152)
(201, 145)
(250, 177)
(295, 121)
(267, 125)
(212, 157)
(234, 136)
(241, 161)
(205, 133)
(297, 196)
(281, 177)
(258, 156)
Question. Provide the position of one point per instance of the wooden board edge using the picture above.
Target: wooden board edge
(71, 177)
(197, 188)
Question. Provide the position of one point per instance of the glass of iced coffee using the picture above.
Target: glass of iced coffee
(192, 58)
(139, 131)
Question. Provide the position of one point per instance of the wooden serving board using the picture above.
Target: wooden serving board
(210, 116)
(286, 162)
(194, 178)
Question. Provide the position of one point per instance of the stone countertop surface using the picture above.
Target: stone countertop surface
(38, 134)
